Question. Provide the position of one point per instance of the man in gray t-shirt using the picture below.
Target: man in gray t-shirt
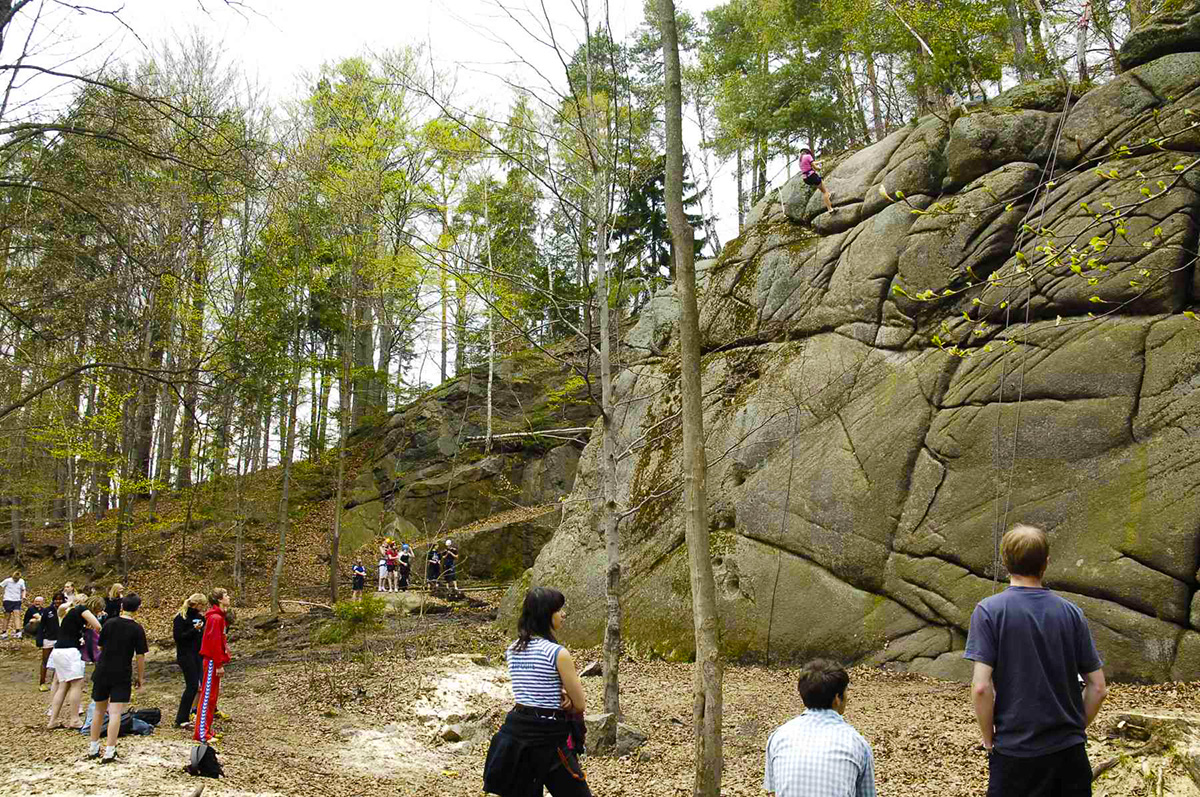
(1030, 648)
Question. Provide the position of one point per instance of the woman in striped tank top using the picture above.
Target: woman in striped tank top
(542, 737)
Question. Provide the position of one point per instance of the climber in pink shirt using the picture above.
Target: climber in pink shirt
(813, 177)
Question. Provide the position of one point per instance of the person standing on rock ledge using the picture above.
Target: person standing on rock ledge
(812, 177)
(1030, 647)
(543, 736)
(406, 557)
(819, 754)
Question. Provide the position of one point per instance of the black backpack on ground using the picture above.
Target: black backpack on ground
(204, 763)
(150, 716)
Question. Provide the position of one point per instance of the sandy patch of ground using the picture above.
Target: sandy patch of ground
(465, 695)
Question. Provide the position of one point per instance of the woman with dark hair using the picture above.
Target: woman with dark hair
(810, 175)
(542, 737)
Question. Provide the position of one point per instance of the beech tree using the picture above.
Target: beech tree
(707, 702)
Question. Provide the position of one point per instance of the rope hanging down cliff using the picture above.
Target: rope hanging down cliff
(1001, 521)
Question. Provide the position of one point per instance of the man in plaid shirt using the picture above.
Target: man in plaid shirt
(819, 754)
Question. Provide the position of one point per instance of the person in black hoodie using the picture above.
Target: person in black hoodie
(188, 631)
(47, 636)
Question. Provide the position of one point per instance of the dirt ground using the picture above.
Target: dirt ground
(369, 721)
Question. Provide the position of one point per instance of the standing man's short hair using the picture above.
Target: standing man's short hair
(1025, 550)
(820, 682)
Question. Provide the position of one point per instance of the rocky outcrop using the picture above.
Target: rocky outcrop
(889, 384)
(425, 479)
(1168, 32)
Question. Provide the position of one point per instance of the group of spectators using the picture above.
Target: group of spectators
(86, 627)
(395, 567)
(80, 628)
(1037, 684)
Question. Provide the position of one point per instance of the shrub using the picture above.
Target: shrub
(351, 619)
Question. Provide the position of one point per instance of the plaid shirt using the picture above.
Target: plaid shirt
(819, 754)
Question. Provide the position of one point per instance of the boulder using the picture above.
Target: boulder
(593, 670)
(629, 739)
(607, 736)
(601, 733)
(268, 622)
(983, 141)
(888, 385)
(1166, 32)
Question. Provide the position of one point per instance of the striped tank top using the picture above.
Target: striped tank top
(534, 673)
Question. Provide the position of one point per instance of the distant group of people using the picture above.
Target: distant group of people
(1037, 684)
(395, 567)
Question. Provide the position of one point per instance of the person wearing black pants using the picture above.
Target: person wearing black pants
(188, 631)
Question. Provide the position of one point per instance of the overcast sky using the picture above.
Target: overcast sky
(277, 42)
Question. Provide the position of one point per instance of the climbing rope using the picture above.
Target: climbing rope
(1002, 520)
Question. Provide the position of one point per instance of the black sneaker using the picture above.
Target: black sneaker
(108, 759)
(93, 756)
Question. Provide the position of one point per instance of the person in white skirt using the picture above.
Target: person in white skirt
(66, 659)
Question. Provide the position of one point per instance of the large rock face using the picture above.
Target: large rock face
(888, 385)
(426, 479)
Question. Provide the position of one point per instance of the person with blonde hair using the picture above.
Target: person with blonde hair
(14, 596)
(66, 659)
(188, 631)
(1030, 648)
(112, 605)
(91, 639)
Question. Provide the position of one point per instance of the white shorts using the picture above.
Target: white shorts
(67, 663)
(48, 644)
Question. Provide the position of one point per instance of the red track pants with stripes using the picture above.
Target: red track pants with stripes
(210, 687)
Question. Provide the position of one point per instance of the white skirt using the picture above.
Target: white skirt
(67, 663)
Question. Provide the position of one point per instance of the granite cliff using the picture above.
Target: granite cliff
(993, 325)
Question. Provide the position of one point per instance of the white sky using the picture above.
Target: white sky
(277, 42)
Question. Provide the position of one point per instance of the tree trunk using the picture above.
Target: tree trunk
(268, 405)
(706, 685)
(487, 226)
(1138, 11)
(444, 288)
(364, 345)
(14, 519)
(855, 97)
(339, 503)
(1016, 31)
(609, 515)
(1081, 34)
(1104, 25)
(873, 87)
(1042, 67)
(193, 331)
(239, 540)
(288, 442)
(741, 194)
(326, 389)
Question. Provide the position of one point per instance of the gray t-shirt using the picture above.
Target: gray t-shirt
(1038, 645)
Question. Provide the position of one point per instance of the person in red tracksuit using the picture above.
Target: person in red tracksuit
(214, 655)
